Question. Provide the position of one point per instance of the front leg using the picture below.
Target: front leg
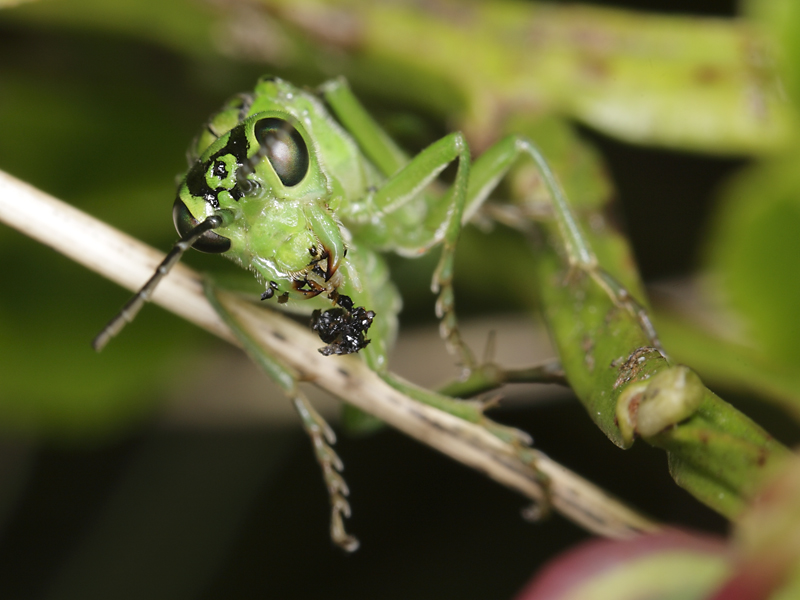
(413, 221)
(395, 201)
(400, 202)
(373, 141)
(404, 194)
(320, 433)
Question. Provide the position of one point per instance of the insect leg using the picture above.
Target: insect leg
(441, 224)
(322, 436)
(322, 439)
(374, 142)
(495, 163)
(134, 305)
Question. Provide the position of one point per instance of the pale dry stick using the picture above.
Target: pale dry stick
(105, 250)
(129, 262)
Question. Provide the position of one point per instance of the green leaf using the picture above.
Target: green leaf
(754, 256)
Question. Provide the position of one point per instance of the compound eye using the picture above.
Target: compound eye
(209, 242)
(285, 149)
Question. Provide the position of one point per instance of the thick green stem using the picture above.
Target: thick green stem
(717, 454)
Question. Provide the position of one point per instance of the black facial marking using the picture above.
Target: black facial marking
(237, 145)
(196, 182)
(196, 177)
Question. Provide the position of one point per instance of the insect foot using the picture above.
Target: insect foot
(343, 329)
(322, 437)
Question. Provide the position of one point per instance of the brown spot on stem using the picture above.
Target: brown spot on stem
(633, 365)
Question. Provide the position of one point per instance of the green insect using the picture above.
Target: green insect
(306, 190)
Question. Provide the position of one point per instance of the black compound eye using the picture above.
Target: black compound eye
(209, 242)
(285, 149)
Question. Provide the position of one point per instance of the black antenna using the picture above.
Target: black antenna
(134, 305)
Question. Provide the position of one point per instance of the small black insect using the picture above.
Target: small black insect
(343, 328)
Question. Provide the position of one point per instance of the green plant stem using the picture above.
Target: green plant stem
(719, 455)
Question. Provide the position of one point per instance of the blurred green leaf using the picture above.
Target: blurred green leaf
(679, 81)
(755, 254)
(754, 257)
(181, 25)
